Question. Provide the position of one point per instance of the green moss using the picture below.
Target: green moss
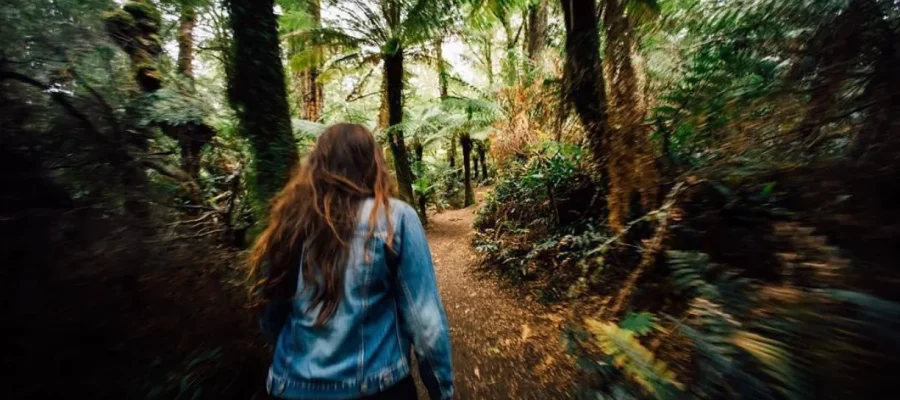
(118, 22)
(143, 11)
(152, 43)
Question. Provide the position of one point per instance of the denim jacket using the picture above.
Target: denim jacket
(390, 302)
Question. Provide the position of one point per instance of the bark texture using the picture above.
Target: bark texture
(634, 175)
(393, 72)
(258, 94)
(583, 76)
(537, 32)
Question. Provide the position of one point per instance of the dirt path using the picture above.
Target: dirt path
(504, 347)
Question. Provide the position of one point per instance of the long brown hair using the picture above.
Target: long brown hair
(316, 213)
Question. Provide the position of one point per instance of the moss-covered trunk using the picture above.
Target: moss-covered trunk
(186, 40)
(135, 29)
(393, 73)
(634, 175)
(537, 33)
(466, 143)
(258, 94)
(584, 85)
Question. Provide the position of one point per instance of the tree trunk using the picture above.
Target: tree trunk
(393, 72)
(634, 175)
(423, 209)
(307, 80)
(466, 143)
(419, 150)
(135, 29)
(483, 156)
(537, 33)
(186, 41)
(258, 94)
(191, 137)
(383, 123)
(475, 167)
(583, 77)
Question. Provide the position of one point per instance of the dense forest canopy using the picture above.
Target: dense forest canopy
(707, 184)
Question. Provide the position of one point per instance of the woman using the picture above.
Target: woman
(349, 283)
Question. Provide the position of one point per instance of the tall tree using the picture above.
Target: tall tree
(386, 32)
(393, 77)
(444, 92)
(482, 156)
(258, 94)
(537, 32)
(306, 62)
(466, 142)
(634, 176)
(186, 39)
(135, 29)
(193, 136)
(583, 75)
(473, 126)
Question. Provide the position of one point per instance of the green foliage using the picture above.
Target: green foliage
(638, 364)
(538, 219)
(187, 381)
(173, 107)
(757, 340)
(640, 323)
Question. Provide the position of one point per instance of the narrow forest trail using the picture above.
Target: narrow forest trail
(504, 347)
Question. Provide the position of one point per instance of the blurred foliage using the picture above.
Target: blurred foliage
(754, 340)
(774, 273)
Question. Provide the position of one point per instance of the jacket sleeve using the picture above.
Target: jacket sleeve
(419, 303)
(272, 319)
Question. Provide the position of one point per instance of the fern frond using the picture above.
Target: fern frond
(633, 359)
(640, 323)
(304, 128)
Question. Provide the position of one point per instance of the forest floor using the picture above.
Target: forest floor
(504, 346)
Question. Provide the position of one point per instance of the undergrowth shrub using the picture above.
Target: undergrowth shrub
(540, 219)
(745, 338)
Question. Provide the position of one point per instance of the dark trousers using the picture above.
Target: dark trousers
(405, 389)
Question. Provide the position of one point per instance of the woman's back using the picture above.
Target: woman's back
(347, 279)
(389, 301)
